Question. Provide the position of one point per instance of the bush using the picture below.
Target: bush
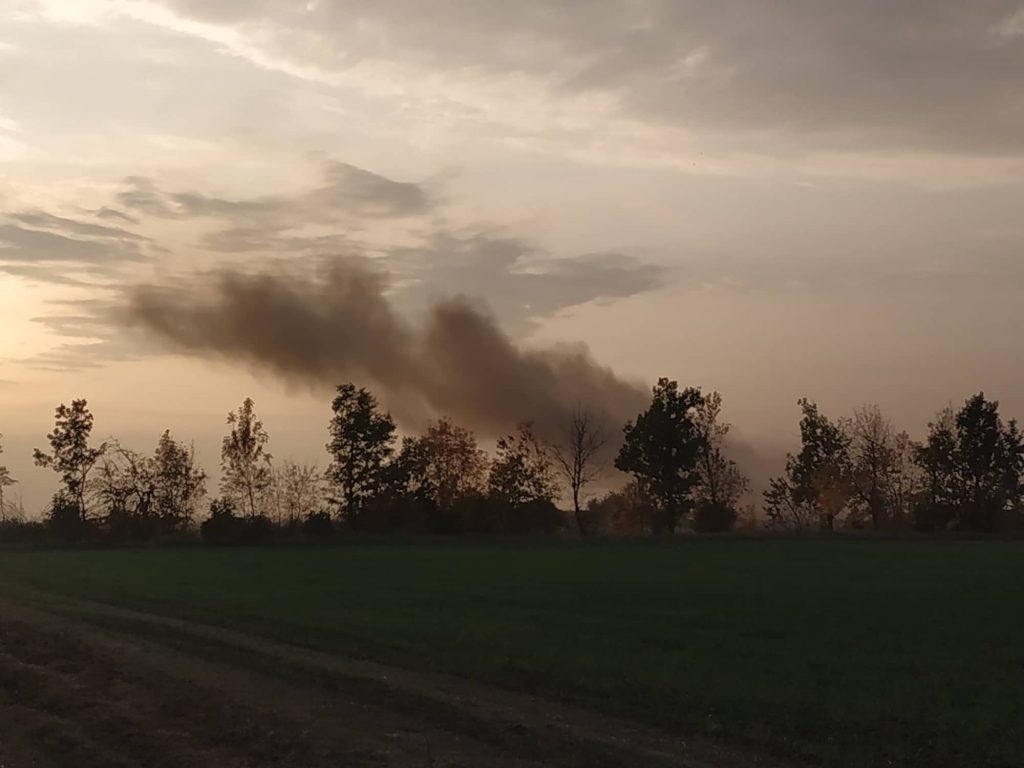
(224, 527)
(714, 518)
(318, 526)
(65, 521)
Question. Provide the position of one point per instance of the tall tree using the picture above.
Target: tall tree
(874, 446)
(179, 483)
(662, 449)
(973, 464)
(445, 464)
(6, 481)
(576, 456)
(70, 455)
(298, 492)
(720, 484)
(816, 487)
(522, 472)
(362, 442)
(245, 463)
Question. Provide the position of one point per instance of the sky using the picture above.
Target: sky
(772, 200)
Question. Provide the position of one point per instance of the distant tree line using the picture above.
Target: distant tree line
(854, 473)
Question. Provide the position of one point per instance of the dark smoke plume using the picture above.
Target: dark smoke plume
(338, 325)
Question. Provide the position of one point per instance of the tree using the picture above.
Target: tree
(973, 464)
(361, 445)
(522, 470)
(71, 455)
(576, 457)
(881, 468)
(662, 449)
(6, 481)
(816, 486)
(298, 492)
(444, 464)
(522, 485)
(720, 484)
(123, 482)
(245, 464)
(179, 483)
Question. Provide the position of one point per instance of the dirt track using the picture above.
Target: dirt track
(88, 685)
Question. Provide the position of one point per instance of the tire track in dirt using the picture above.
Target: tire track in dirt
(318, 707)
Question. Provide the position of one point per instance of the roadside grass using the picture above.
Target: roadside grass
(839, 652)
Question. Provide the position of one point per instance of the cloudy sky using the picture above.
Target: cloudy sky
(818, 198)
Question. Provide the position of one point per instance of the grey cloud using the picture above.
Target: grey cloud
(44, 247)
(113, 213)
(347, 191)
(321, 328)
(44, 220)
(520, 282)
(19, 244)
(842, 74)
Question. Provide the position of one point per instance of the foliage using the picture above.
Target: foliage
(816, 487)
(245, 463)
(719, 483)
(70, 455)
(6, 481)
(443, 466)
(662, 449)
(522, 471)
(362, 442)
(972, 463)
(297, 491)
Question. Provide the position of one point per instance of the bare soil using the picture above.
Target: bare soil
(93, 686)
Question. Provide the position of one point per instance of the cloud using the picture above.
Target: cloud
(44, 247)
(412, 241)
(319, 329)
(520, 281)
(347, 190)
(840, 74)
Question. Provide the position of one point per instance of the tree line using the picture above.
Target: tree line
(857, 472)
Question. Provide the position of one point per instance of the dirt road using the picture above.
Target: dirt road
(93, 686)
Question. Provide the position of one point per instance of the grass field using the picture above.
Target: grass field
(837, 652)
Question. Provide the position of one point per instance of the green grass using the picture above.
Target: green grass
(840, 652)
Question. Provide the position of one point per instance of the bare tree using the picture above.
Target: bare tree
(5, 482)
(577, 456)
(298, 492)
(720, 484)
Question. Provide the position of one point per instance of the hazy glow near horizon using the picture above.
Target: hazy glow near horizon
(820, 199)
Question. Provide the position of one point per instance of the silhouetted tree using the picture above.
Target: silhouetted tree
(298, 493)
(720, 484)
(973, 464)
(522, 485)
(361, 445)
(6, 481)
(522, 471)
(576, 456)
(881, 476)
(71, 455)
(179, 484)
(626, 512)
(443, 466)
(245, 464)
(662, 449)
(816, 486)
(124, 486)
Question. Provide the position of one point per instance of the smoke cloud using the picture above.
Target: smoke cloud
(338, 324)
